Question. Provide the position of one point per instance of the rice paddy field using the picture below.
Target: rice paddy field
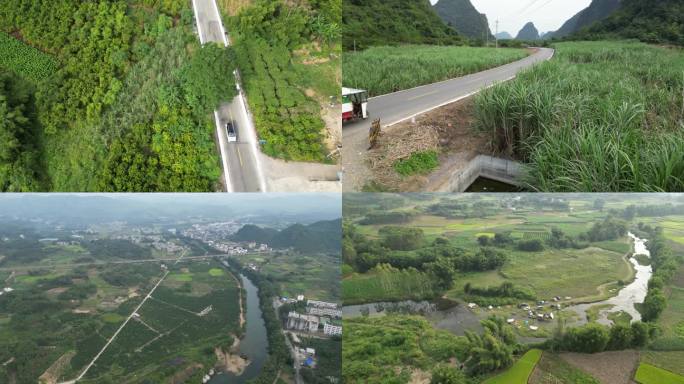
(599, 117)
(649, 374)
(520, 371)
(382, 70)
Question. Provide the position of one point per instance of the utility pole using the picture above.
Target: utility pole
(496, 36)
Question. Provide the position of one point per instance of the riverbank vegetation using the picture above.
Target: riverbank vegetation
(123, 103)
(384, 69)
(630, 140)
(430, 249)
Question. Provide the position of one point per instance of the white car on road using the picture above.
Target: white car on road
(232, 132)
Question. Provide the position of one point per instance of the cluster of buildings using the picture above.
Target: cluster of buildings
(152, 238)
(208, 231)
(317, 313)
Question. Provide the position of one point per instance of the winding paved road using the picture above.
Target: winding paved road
(396, 107)
(240, 161)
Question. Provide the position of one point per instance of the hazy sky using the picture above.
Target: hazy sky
(547, 15)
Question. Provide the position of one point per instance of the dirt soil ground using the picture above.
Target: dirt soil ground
(448, 130)
(52, 374)
(231, 361)
(617, 367)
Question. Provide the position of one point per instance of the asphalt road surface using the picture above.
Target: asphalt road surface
(396, 107)
(239, 159)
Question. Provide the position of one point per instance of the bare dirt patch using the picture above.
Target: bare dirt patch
(56, 291)
(231, 361)
(420, 377)
(185, 374)
(448, 130)
(616, 367)
(233, 7)
(52, 374)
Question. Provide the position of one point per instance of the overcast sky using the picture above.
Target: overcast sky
(547, 15)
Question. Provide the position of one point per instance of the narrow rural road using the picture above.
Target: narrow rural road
(240, 161)
(396, 107)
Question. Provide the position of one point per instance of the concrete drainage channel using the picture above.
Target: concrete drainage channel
(483, 166)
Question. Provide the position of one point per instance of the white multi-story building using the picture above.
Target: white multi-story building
(332, 330)
(301, 322)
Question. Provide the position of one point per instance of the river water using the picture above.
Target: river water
(449, 316)
(635, 292)
(254, 344)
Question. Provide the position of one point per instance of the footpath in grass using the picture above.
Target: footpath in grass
(382, 70)
(649, 374)
(520, 372)
(25, 60)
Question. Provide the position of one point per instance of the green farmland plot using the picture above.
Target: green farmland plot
(25, 60)
(579, 273)
(383, 70)
(649, 374)
(176, 322)
(386, 286)
(520, 371)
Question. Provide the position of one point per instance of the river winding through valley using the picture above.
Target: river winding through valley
(633, 293)
(254, 344)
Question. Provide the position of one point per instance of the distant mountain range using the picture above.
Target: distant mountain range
(367, 23)
(528, 32)
(321, 236)
(596, 11)
(503, 36)
(464, 18)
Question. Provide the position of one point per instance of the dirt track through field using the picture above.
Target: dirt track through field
(616, 367)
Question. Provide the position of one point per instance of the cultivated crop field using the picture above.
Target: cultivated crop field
(171, 326)
(382, 70)
(386, 286)
(649, 374)
(25, 60)
(600, 116)
(520, 371)
(577, 273)
(298, 274)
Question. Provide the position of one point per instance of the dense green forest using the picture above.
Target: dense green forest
(127, 107)
(597, 10)
(367, 23)
(657, 22)
(21, 166)
(266, 34)
(464, 18)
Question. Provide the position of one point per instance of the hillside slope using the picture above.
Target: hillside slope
(596, 11)
(528, 32)
(464, 18)
(321, 236)
(651, 21)
(367, 23)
